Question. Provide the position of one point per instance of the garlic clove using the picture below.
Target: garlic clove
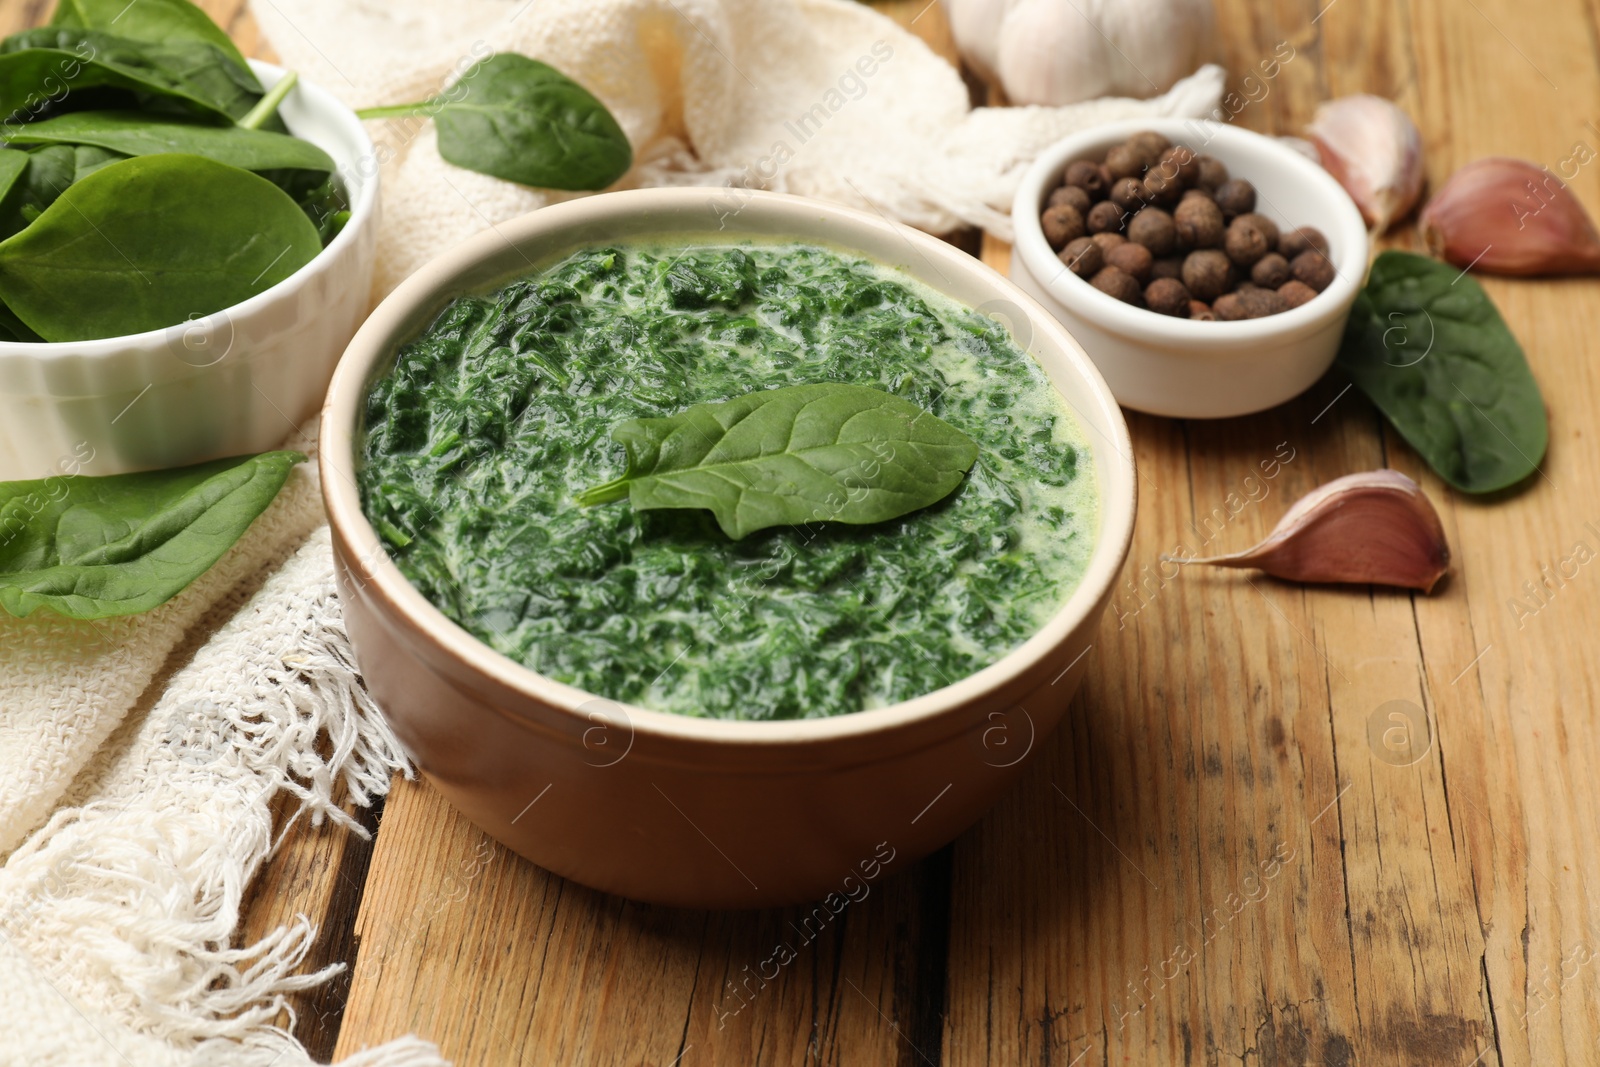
(1375, 151)
(1303, 146)
(1375, 527)
(1508, 216)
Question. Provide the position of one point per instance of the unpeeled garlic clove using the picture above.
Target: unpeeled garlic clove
(1375, 151)
(1376, 527)
(1508, 216)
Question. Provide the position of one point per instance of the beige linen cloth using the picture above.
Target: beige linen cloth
(140, 758)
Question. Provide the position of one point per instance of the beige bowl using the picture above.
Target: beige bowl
(704, 812)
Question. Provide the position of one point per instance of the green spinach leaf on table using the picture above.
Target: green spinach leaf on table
(94, 548)
(156, 239)
(1426, 343)
(524, 121)
(792, 456)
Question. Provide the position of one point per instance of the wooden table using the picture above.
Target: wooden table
(1278, 825)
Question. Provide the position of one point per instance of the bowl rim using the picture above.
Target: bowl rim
(361, 214)
(1141, 325)
(375, 340)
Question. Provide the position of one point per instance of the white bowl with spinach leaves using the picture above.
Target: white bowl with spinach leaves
(227, 377)
(628, 796)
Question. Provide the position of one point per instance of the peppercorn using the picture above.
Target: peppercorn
(1207, 274)
(1125, 161)
(1128, 194)
(1132, 259)
(1108, 240)
(1228, 307)
(1082, 257)
(1150, 142)
(1181, 160)
(1259, 303)
(1296, 293)
(1167, 296)
(1302, 239)
(1154, 229)
(1161, 187)
(1199, 222)
(1244, 242)
(1114, 282)
(1313, 268)
(1087, 176)
(1104, 217)
(1061, 224)
(1072, 196)
(1167, 267)
(1270, 271)
(1266, 226)
(1212, 173)
(1235, 197)
(1200, 311)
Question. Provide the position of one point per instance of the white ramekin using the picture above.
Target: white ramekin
(238, 381)
(1171, 366)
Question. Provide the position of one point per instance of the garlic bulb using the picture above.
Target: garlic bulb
(1064, 51)
(1374, 527)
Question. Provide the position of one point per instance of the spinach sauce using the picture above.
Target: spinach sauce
(501, 411)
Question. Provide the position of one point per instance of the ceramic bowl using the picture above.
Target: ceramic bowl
(1171, 366)
(702, 812)
(237, 381)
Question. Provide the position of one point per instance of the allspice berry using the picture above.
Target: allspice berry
(1200, 311)
(1244, 242)
(1313, 268)
(1235, 197)
(1061, 224)
(1199, 222)
(1108, 240)
(1259, 303)
(1072, 196)
(1154, 229)
(1128, 194)
(1082, 257)
(1167, 267)
(1270, 271)
(1207, 274)
(1229, 308)
(1197, 193)
(1150, 142)
(1104, 217)
(1181, 160)
(1302, 239)
(1162, 188)
(1295, 293)
(1118, 284)
(1132, 259)
(1212, 173)
(1167, 296)
(1265, 225)
(1088, 177)
(1125, 161)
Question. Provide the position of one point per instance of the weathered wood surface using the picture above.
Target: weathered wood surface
(1278, 826)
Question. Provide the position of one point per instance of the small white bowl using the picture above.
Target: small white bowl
(1170, 366)
(237, 381)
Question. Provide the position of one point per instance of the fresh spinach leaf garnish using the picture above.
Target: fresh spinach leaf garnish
(152, 21)
(1426, 343)
(788, 457)
(155, 239)
(94, 548)
(524, 121)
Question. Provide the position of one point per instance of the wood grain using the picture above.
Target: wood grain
(1233, 849)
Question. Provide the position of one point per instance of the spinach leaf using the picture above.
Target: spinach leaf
(155, 239)
(1426, 344)
(93, 548)
(790, 456)
(134, 133)
(49, 65)
(152, 21)
(88, 158)
(49, 172)
(522, 120)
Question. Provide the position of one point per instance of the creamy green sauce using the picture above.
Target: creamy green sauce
(501, 411)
